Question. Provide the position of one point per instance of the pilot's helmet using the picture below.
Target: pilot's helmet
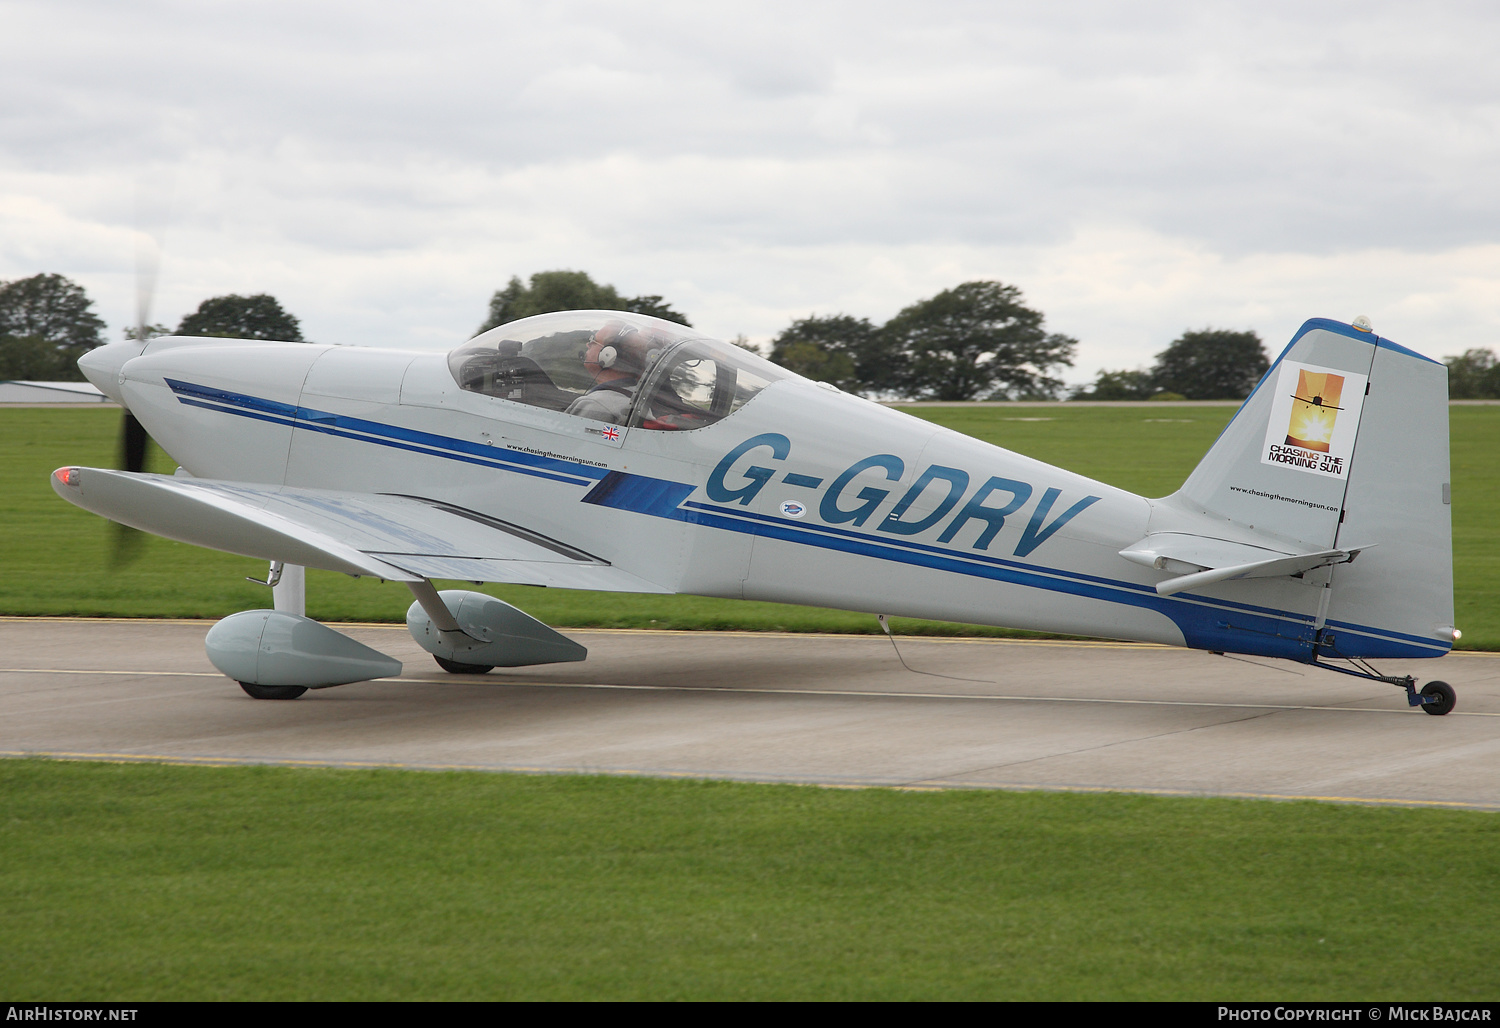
(628, 348)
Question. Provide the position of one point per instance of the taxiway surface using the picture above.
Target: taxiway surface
(838, 710)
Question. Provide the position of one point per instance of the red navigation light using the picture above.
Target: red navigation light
(66, 476)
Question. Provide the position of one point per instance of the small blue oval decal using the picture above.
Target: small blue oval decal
(793, 509)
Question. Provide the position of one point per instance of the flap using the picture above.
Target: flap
(401, 538)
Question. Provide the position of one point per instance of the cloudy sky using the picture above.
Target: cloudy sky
(1135, 169)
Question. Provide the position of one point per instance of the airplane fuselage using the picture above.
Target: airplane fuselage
(803, 495)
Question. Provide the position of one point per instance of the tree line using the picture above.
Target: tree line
(47, 322)
(977, 340)
(1473, 375)
(1207, 364)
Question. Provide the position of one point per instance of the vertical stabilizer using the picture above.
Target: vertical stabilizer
(1344, 443)
(1283, 464)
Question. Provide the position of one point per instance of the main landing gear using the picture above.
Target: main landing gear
(455, 667)
(273, 692)
(281, 654)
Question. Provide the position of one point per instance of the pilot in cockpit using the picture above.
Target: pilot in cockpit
(616, 357)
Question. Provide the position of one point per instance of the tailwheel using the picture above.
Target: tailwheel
(453, 667)
(1438, 698)
(273, 692)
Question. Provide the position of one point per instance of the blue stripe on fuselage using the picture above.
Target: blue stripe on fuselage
(1206, 623)
(346, 427)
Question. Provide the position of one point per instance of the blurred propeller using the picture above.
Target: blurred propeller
(133, 440)
(150, 211)
(127, 543)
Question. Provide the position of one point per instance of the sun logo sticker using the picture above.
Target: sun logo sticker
(1315, 409)
(1314, 417)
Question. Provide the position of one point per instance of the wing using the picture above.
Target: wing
(401, 538)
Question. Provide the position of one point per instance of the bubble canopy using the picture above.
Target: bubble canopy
(624, 369)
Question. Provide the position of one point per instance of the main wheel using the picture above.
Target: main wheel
(453, 667)
(1439, 696)
(273, 692)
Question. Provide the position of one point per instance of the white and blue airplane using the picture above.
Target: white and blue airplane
(612, 451)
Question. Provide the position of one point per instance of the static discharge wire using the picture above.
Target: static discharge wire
(885, 625)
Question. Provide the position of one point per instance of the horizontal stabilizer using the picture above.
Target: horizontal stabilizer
(1186, 553)
(1200, 560)
(398, 538)
(1273, 568)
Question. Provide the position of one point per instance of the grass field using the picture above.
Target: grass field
(145, 882)
(55, 556)
(141, 882)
